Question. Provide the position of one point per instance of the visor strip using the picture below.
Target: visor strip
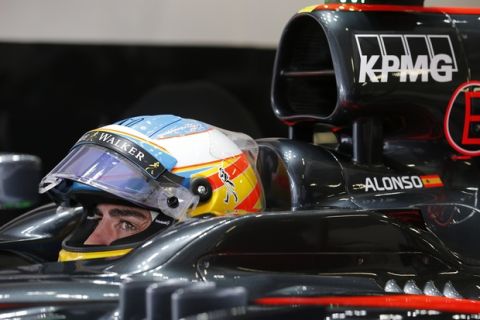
(125, 147)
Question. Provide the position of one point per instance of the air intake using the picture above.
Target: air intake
(335, 65)
(304, 76)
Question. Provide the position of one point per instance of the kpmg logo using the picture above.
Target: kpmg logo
(405, 57)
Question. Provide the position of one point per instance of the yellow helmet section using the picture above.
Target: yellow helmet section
(66, 255)
(235, 187)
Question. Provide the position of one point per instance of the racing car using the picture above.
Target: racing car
(375, 192)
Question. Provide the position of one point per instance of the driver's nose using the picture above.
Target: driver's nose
(103, 234)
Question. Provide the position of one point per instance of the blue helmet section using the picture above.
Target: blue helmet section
(162, 126)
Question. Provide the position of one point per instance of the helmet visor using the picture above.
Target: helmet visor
(109, 171)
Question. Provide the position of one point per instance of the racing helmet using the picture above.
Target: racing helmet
(174, 167)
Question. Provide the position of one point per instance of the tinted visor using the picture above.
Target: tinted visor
(109, 171)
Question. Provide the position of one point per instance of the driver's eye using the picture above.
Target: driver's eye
(127, 226)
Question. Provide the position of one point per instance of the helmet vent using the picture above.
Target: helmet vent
(202, 188)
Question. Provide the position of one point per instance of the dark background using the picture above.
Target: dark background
(51, 94)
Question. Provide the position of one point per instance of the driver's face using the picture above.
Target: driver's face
(116, 222)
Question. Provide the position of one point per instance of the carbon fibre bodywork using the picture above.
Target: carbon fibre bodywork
(379, 252)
